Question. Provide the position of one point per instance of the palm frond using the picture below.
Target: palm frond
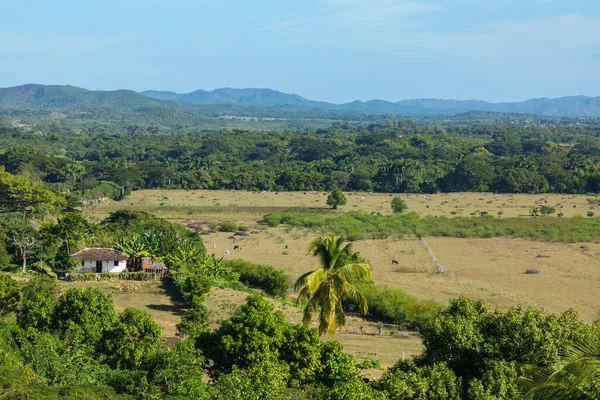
(578, 368)
(352, 293)
(356, 272)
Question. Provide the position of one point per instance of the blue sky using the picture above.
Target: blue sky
(331, 50)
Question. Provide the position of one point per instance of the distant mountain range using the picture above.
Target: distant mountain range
(50, 96)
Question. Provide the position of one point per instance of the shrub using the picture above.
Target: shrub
(9, 294)
(545, 210)
(272, 280)
(243, 228)
(396, 306)
(398, 205)
(336, 198)
(228, 227)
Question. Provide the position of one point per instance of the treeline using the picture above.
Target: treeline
(399, 157)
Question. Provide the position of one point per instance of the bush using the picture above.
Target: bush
(398, 205)
(336, 198)
(9, 294)
(272, 280)
(228, 227)
(397, 307)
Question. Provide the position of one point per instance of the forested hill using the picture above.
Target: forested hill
(575, 106)
(53, 96)
(70, 97)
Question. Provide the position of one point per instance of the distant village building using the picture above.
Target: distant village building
(98, 260)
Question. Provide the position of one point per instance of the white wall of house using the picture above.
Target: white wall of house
(107, 266)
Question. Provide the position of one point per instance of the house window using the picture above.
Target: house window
(116, 263)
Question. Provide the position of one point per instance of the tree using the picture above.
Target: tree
(253, 335)
(9, 294)
(398, 205)
(84, 315)
(324, 289)
(575, 376)
(38, 301)
(336, 198)
(194, 320)
(546, 210)
(133, 339)
(18, 193)
(23, 235)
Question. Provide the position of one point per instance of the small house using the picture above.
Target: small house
(99, 259)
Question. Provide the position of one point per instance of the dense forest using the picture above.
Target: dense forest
(397, 156)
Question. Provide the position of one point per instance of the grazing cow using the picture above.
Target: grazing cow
(395, 262)
(226, 252)
(286, 246)
(214, 246)
(236, 247)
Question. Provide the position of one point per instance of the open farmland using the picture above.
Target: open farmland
(491, 269)
(244, 206)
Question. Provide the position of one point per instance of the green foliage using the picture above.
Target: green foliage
(191, 285)
(253, 335)
(336, 198)
(397, 307)
(132, 340)
(398, 205)
(260, 381)
(228, 226)
(545, 210)
(19, 194)
(194, 320)
(575, 376)
(431, 382)
(477, 343)
(272, 280)
(39, 297)
(358, 225)
(9, 294)
(84, 315)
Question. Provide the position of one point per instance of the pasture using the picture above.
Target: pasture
(241, 206)
(491, 269)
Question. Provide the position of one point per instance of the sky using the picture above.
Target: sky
(328, 50)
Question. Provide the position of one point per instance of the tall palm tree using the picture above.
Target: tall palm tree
(575, 376)
(325, 288)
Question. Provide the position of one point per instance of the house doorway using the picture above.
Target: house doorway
(99, 266)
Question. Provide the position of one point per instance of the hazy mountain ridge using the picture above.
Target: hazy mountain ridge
(572, 106)
(54, 96)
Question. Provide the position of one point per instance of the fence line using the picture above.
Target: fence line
(439, 266)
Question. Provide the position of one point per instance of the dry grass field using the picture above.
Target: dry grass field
(491, 269)
(243, 207)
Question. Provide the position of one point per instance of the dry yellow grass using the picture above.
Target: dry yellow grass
(491, 269)
(242, 206)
